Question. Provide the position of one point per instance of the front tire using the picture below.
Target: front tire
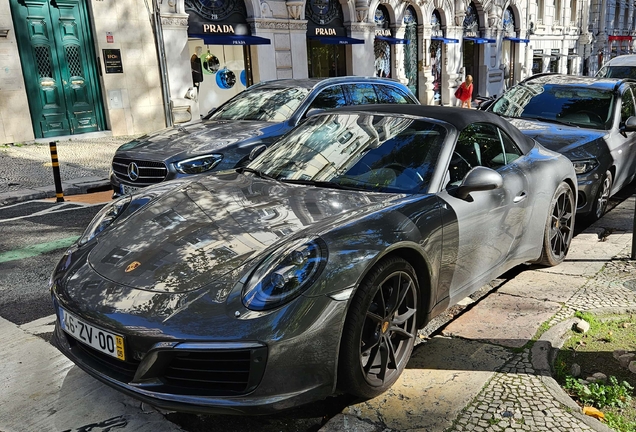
(380, 329)
(559, 227)
(602, 197)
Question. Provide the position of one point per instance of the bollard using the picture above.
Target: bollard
(59, 193)
(634, 235)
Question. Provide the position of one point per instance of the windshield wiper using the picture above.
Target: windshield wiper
(549, 120)
(317, 183)
(258, 173)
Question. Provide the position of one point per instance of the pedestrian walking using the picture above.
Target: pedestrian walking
(464, 92)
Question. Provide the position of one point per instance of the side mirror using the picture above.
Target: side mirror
(630, 124)
(479, 179)
(256, 151)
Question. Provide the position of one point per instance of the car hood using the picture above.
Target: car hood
(560, 138)
(199, 232)
(195, 139)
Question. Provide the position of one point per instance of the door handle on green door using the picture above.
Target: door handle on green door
(47, 83)
(77, 82)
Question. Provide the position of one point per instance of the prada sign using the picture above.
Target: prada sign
(325, 31)
(218, 28)
(383, 32)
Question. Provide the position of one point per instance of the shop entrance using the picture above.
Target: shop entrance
(326, 60)
(58, 63)
(471, 61)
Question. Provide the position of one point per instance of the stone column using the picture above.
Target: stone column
(175, 38)
(361, 55)
(265, 58)
(452, 69)
(426, 82)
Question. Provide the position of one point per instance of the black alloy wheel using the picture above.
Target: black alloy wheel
(602, 197)
(559, 227)
(380, 329)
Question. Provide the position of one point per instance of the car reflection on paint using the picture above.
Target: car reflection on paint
(309, 271)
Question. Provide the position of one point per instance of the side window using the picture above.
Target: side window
(479, 144)
(511, 151)
(329, 98)
(391, 95)
(362, 94)
(627, 105)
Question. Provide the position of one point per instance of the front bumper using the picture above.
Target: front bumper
(283, 372)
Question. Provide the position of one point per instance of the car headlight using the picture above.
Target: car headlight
(104, 218)
(198, 164)
(285, 274)
(585, 165)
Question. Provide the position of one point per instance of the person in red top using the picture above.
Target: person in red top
(466, 93)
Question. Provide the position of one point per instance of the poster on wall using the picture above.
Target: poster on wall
(112, 61)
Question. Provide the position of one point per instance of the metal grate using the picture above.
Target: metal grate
(73, 60)
(149, 172)
(43, 60)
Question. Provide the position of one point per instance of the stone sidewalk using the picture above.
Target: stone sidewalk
(27, 173)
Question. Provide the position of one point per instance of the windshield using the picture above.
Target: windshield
(262, 104)
(617, 72)
(356, 151)
(569, 104)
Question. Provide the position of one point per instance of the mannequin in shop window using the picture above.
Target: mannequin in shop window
(195, 67)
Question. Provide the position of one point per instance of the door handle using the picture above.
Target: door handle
(47, 83)
(522, 195)
(64, 82)
(77, 82)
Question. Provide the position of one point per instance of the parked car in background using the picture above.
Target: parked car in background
(623, 66)
(589, 120)
(252, 119)
(310, 269)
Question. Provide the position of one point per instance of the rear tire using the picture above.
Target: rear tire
(558, 230)
(380, 329)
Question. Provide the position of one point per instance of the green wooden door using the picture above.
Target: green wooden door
(58, 66)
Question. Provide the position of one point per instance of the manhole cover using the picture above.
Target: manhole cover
(630, 284)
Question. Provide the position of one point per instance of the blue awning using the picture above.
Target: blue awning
(480, 40)
(337, 40)
(445, 40)
(231, 39)
(394, 41)
(517, 40)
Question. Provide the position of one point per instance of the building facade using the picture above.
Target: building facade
(76, 66)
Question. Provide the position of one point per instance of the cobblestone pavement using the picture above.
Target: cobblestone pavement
(516, 398)
(29, 165)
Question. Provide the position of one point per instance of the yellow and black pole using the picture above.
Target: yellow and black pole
(59, 193)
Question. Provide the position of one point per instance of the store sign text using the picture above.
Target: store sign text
(326, 31)
(383, 32)
(218, 28)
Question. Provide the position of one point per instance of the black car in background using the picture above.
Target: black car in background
(254, 118)
(589, 120)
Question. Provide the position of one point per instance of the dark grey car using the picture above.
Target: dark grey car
(309, 271)
(589, 120)
(252, 119)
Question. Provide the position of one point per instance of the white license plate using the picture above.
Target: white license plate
(125, 189)
(101, 340)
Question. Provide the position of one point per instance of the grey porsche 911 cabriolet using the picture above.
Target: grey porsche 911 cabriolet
(309, 271)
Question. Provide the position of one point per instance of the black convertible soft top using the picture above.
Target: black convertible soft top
(457, 117)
